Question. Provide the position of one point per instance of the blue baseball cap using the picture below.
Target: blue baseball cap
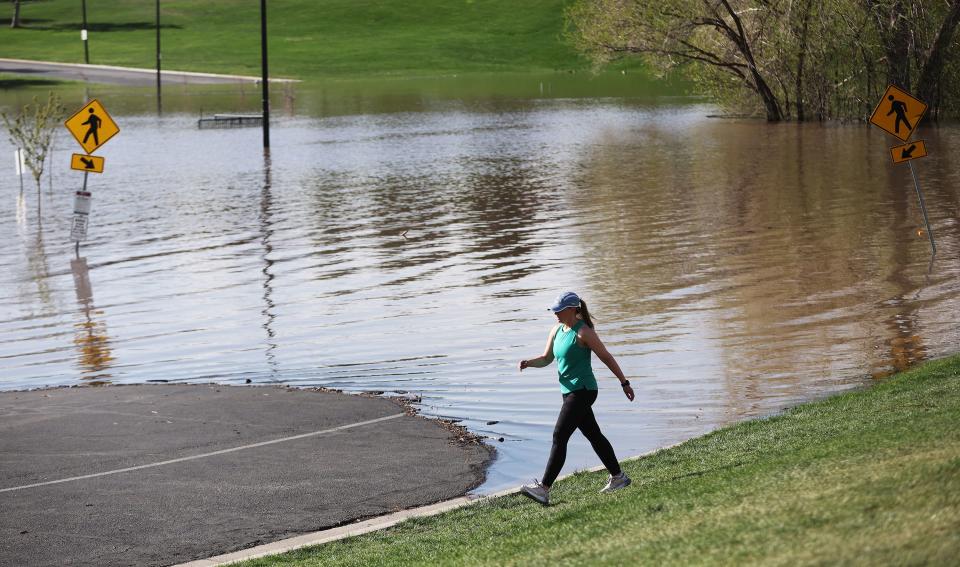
(565, 300)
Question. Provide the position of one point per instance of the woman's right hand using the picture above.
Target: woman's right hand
(523, 364)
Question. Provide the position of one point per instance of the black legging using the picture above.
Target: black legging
(577, 414)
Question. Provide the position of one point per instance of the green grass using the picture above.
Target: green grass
(309, 39)
(870, 477)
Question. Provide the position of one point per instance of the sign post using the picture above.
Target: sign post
(923, 208)
(92, 127)
(898, 113)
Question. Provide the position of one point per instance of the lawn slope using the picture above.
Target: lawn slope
(308, 39)
(870, 477)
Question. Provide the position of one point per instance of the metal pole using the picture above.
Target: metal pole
(923, 207)
(86, 50)
(159, 105)
(85, 174)
(265, 74)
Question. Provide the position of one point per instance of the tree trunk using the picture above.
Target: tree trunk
(801, 59)
(895, 31)
(928, 86)
(739, 37)
(15, 22)
(770, 102)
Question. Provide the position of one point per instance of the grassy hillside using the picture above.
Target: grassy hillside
(865, 478)
(308, 38)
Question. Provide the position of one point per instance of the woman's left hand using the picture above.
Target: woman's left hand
(628, 392)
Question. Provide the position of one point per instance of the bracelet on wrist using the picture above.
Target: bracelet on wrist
(625, 383)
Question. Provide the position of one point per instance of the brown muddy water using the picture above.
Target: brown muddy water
(733, 267)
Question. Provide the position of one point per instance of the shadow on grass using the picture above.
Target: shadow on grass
(703, 472)
(30, 22)
(104, 27)
(13, 83)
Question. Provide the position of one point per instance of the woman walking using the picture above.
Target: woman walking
(571, 342)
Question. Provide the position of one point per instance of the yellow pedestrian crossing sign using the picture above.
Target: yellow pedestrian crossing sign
(92, 126)
(898, 113)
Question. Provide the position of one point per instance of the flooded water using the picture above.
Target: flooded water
(733, 267)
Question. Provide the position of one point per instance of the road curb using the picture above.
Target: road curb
(373, 524)
(163, 73)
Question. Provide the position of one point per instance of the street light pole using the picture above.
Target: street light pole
(265, 74)
(159, 105)
(83, 35)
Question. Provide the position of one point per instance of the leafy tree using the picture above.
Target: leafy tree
(789, 59)
(32, 130)
(726, 42)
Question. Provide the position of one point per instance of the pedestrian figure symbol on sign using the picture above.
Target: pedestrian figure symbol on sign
(94, 122)
(896, 106)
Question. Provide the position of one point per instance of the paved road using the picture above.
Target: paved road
(162, 474)
(117, 75)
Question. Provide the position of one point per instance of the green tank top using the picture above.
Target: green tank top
(573, 361)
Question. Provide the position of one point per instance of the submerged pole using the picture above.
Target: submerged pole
(84, 190)
(264, 73)
(923, 207)
(159, 104)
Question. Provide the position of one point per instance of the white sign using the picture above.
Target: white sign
(81, 203)
(20, 160)
(78, 230)
(81, 216)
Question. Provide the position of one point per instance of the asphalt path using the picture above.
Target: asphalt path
(118, 75)
(164, 474)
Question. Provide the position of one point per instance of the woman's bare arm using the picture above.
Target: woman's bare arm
(593, 342)
(546, 358)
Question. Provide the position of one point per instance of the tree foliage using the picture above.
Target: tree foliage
(32, 130)
(789, 59)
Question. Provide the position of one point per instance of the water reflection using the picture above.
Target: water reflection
(35, 289)
(91, 339)
(793, 270)
(21, 212)
(733, 267)
(266, 232)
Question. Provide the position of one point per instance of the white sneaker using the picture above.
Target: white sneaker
(536, 491)
(617, 482)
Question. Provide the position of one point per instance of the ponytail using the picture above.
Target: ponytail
(585, 313)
